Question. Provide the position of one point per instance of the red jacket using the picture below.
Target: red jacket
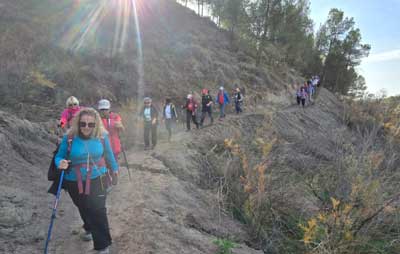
(113, 132)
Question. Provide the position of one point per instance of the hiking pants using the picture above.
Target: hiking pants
(92, 209)
(238, 107)
(203, 115)
(222, 110)
(303, 101)
(148, 127)
(169, 123)
(190, 116)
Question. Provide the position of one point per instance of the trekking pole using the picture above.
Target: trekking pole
(126, 162)
(53, 216)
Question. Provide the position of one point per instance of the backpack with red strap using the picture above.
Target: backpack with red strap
(53, 174)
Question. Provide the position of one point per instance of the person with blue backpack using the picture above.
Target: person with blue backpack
(222, 99)
(83, 155)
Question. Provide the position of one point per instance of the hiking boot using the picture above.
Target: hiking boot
(104, 251)
(86, 236)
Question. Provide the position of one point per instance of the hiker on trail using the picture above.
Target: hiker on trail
(310, 92)
(68, 113)
(316, 81)
(222, 99)
(298, 96)
(238, 99)
(113, 124)
(304, 96)
(170, 117)
(150, 118)
(89, 150)
(206, 103)
(191, 107)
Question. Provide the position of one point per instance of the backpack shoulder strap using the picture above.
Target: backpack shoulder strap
(69, 140)
(174, 110)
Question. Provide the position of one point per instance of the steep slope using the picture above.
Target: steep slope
(25, 152)
(94, 49)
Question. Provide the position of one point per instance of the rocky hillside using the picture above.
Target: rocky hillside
(92, 49)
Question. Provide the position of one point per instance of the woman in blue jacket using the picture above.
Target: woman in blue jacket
(84, 152)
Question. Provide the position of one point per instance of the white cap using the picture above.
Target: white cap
(189, 96)
(221, 88)
(104, 104)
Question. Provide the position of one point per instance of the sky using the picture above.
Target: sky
(380, 27)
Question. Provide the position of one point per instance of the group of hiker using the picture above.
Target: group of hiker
(305, 93)
(207, 102)
(87, 155)
(88, 152)
(191, 108)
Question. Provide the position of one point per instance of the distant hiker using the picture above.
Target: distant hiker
(150, 119)
(191, 107)
(298, 96)
(304, 96)
(310, 92)
(222, 99)
(206, 106)
(89, 150)
(170, 117)
(68, 113)
(316, 81)
(238, 99)
(113, 124)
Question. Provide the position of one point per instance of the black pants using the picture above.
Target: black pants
(169, 124)
(238, 107)
(303, 101)
(148, 127)
(298, 100)
(190, 116)
(92, 209)
(204, 112)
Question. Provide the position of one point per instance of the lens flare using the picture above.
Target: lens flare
(101, 25)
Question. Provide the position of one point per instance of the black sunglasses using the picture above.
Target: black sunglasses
(84, 124)
(74, 104)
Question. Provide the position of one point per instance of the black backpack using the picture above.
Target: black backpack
(53, 174)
